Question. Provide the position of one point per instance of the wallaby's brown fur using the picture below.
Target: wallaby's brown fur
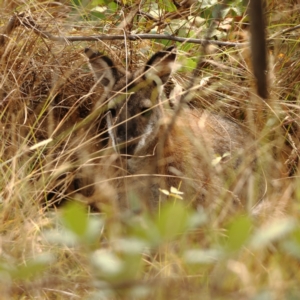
(195, 155)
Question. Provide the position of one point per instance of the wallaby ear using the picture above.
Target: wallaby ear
(104, 70)
(161, 64)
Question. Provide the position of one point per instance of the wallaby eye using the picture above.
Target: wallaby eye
(146, 111)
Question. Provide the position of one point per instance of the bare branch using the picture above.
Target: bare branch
(272, 37)
(134, 37)
(28, 22)
(258, 46)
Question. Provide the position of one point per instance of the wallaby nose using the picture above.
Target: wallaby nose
(122, 135)
(125, 145)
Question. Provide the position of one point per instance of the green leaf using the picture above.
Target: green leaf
(32, 267)
(296, 235)
(100, 2)
(165, 43)
(292, 248)
(112, 6)
(218, 11)
(199, 256)
(292, 245)
(76, 2)
(197, 218)
(185, 47)
(75, 219)
(94, 229)
(238, 233)
(131, 245)
(208, 3)
(224, 12)
(107, 263)
(144, 229)
(169, 6)
(172, 220)
(98, 15)
(61, 237)
(272, 232)
(188, 64)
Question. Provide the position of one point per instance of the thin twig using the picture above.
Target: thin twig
(28, 22)
(272, 37)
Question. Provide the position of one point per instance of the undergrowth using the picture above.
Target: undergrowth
(51, 132)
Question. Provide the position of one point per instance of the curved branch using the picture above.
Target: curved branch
(272, 37)
(135, 37)
(28, 22)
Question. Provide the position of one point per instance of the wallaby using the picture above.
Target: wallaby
(189, 155)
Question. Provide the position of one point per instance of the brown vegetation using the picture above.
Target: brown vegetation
(56, 146)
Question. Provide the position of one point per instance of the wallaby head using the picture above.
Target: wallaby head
(133, 99)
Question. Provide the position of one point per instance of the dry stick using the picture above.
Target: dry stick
(21, 19)
(258, 46)
(135, 37)
(29, 23)
(283, 32)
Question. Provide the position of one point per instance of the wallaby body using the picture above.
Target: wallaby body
(188, 155)
(192, 157)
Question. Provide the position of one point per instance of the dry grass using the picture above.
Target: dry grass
(51, 136)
